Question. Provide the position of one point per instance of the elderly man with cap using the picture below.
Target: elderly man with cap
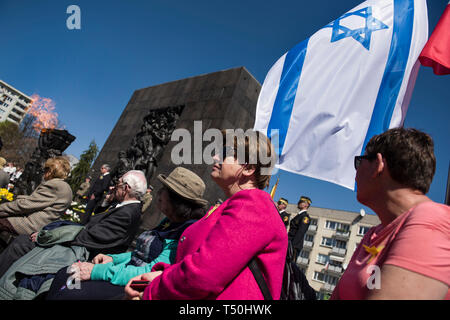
(281, 206)
(298, 226)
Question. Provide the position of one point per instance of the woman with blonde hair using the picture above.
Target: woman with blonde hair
(28, 214)
(214, 254)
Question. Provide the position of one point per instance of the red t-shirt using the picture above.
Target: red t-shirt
(418, 240)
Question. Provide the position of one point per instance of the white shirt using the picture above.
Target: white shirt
(124, 203)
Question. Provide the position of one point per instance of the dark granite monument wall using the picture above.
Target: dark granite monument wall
(222, 100)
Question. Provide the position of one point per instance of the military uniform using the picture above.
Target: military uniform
(285, 217)
(297, 229)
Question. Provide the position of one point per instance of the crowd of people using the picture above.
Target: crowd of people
(205, 252)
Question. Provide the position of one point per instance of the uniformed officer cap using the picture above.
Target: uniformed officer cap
(284, 201)
(306, 199)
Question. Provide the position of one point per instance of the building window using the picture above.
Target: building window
(13, 118)
(327, 242)
(322, 259)
(335, 263)
(313, 222)
(326, 278)
(309, 237)
(304, 254)
(333, 225)
(20, 106)
(331, 242)
(341, 244)
(20, 113)
(330, 225)
(363, 230)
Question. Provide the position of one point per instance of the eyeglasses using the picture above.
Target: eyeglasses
(118, 185)
(358, 159)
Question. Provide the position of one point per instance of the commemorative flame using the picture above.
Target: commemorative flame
(43, 109)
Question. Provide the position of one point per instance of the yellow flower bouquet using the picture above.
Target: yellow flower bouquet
(5, 195)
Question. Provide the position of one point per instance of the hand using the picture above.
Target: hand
(92, 197)
(131, 294)
(84, 268)
(102, 259)
(33, 236)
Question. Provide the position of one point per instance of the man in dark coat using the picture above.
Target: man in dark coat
(299, 225)
(95, 194)
(109, 232)
(281, 206)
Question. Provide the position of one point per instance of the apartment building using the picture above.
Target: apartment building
(330, 241)
(13, 103)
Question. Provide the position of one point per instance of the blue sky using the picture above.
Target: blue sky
(127, 45)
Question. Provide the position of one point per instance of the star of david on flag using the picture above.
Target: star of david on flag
(363, 34)
(325, 98)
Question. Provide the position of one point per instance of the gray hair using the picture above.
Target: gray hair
(106, 166)
(137, 182)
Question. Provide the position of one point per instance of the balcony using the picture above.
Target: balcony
(308, 244)
(328, 287)
(312, 228)
(334, 269)
(303, 261)
(342, 234)
(338, 251)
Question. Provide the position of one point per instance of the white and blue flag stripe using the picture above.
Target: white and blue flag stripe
(325, 98)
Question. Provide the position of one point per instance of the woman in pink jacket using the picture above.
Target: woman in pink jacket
(213, 254)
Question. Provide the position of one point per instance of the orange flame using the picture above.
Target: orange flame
(44, 111)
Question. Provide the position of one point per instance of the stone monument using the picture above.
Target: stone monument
(52, 143)
(141, 138)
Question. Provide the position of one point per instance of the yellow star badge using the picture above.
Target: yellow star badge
(212, 210)
(166, 225)
(373, 251)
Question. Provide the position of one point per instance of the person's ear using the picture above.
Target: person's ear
(248, 170)
(379, 165)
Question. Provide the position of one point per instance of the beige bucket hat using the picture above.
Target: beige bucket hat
(185, 183)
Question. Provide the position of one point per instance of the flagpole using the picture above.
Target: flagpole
(274, 188)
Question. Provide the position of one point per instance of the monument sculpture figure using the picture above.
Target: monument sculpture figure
(52, 143)
(147, 146)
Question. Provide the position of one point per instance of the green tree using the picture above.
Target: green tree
(17, 144)
(81, 170)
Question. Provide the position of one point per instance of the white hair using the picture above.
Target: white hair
(137, 182)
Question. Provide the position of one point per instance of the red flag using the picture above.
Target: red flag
(436, 53)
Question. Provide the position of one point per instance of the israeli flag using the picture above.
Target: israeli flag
(324, 99)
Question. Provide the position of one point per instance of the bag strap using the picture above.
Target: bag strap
(253, 265)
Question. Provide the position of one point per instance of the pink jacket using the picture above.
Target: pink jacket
(213, 253)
